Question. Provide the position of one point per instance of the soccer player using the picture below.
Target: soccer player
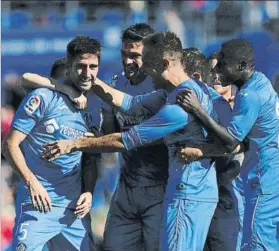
(256, 116)
(192, 190)
(59, 68)
(135, 215)
(58, 71)
(53, 188)
(230, 206)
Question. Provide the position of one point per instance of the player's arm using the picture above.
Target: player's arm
(89, 174)
(169, 119)
(245, 113)
(14, 156)
(107, 119)
(34, 81)
(212, 148)
(138, 105)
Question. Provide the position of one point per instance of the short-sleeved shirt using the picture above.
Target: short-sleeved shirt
(145, 166)
(256, 116)
(196, 180)
(46, 116)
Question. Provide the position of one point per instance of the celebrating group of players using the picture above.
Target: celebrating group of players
(198, 141)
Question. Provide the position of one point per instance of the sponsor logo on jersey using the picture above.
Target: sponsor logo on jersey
(52, 126)
(70, 132)
(32, 104)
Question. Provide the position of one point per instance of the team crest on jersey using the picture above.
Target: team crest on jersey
(21, 247)
(32, 104)
(243, 94)
(88, 118)
(114, 80)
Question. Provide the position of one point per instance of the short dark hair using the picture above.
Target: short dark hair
(195, 61)
(239, 50)
(165, 44)
(59, 64)
(82, 45)
(137, 32)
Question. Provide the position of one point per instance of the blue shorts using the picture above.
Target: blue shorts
(58, 229)
(225, 231)
(185, 224)
(134, 219)
(261, 223)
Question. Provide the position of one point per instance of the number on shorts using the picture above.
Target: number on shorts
(23, 231)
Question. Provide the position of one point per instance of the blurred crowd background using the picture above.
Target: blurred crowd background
(35, 34)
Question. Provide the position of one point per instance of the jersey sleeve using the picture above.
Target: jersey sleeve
(107, 119)
(168, 120)
(244, 114)
(32, 110)
(144, 105)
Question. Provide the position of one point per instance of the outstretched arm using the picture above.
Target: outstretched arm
(245, 113)
(107, 143)
(33, 81)
(215, 148)
(169, 119)
(140, 105)
(107, 93)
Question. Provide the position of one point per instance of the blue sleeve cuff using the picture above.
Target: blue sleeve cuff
(20, 129)
(126, 104)
(131, 138)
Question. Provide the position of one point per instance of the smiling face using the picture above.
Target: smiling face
(131, 55)
(82, 69)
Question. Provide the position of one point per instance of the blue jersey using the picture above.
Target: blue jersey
(146, 166)
(197, 180)
(256, 116)
(45, 116)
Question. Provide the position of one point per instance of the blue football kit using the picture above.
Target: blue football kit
(45, 116)
(192, 188)
(135, 214)
(230, 208)
(256, 116)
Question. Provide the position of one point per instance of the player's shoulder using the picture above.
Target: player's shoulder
(214, 94)
(44, 94)
(117, 81)
(248, 96)
(198, 87)
(42, 91)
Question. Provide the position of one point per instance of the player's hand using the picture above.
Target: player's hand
(189, 154)
(188, 101)
(84, 204)
(74, 94)
(81, 102)
(55, 149)
(39, 196)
